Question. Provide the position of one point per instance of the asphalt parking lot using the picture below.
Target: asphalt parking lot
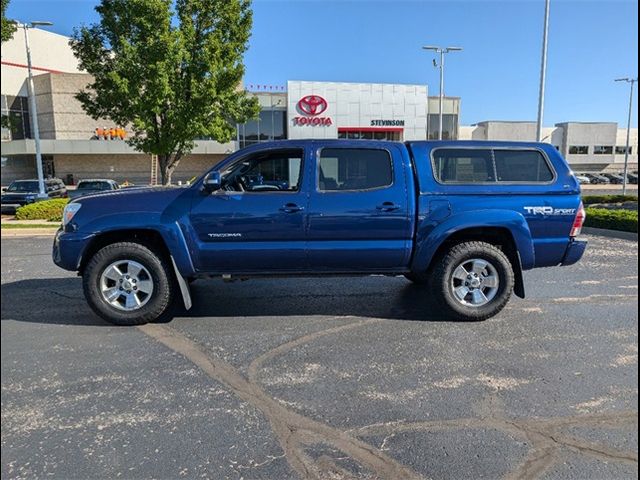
(329, 378)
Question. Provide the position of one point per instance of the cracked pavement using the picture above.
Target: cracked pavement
(323, 378)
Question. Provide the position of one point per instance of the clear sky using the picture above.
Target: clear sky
(497, 74)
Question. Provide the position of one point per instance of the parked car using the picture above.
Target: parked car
(597, 179)
(466, 218)
(631, 178)
(23, 192)
(87, 187)
(614, 178)
(583, 179)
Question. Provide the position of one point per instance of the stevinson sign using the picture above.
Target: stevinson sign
(387, 123)
(311, 108)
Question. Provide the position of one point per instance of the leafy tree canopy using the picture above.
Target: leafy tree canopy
(171, 72)
(7, 28)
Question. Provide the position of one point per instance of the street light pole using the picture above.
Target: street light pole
(32, 106)
(632, 81)
(441, 99)
(543, 71)
(441, 51)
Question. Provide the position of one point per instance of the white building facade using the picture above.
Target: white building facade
(587, 146)
(356, 110)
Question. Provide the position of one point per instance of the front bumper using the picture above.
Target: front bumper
(68, 248)
(574, 252)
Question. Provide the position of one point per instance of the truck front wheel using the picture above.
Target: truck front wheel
(128, 284)
(474, 281)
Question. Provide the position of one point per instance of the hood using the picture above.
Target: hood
(137, 206)
(135, 198)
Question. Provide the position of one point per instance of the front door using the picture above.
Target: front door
(256, 222)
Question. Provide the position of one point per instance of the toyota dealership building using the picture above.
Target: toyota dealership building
(74, 146)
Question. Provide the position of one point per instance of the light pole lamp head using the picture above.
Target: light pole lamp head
(453, 49)
(36, 23)
(432, 47)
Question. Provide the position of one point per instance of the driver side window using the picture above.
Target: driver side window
(264, 172)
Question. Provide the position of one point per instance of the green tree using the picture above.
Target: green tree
(171, 72)
(7, 28)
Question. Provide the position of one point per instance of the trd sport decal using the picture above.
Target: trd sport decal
(550, 211)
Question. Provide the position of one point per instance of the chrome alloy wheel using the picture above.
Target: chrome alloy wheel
(126, 285)
(475, 282)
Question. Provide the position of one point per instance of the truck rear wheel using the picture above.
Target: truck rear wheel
(474, 281)
(128, 284)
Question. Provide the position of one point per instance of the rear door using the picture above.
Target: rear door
(359, 209)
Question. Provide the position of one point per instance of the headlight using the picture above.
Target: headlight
(69, 212)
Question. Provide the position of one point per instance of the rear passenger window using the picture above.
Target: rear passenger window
(469, 166)
(354, 169)
(462, 165)
(522, 166)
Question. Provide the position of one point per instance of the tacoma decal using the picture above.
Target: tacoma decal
(223, 235)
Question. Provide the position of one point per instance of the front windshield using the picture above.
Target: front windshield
(93, 186)
(23, 187)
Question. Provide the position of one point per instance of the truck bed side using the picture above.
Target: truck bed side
(538, 216)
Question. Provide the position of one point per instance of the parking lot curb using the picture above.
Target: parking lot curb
(611, 233)
(27, 232)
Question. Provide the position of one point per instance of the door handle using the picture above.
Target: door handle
(291, 208)
(388, 207)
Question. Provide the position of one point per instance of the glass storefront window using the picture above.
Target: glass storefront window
(266, 125)
(15, 118)
(449, 126)
(354, 134)
(380, 135)
(271, 125)
(279, 125)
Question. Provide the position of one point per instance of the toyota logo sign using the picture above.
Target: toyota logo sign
(312, 105)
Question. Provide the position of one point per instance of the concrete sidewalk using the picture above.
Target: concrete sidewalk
(10, 227)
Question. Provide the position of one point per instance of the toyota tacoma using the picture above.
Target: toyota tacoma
(465, 219)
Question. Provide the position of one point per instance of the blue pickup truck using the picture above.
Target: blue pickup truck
(463, 218)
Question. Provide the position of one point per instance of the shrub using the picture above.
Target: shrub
(50, 210)
(593, 199)
(622, 220)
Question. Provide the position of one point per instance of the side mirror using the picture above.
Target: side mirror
(212, 182)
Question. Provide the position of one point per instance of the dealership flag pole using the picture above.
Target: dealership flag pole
(632, 81)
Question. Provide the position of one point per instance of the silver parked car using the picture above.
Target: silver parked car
(87, 187)
(584, 180)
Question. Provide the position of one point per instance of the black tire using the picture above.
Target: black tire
(160, 272)
(442, 279)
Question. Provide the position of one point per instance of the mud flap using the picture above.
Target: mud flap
(519, 280)
(184, 286)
